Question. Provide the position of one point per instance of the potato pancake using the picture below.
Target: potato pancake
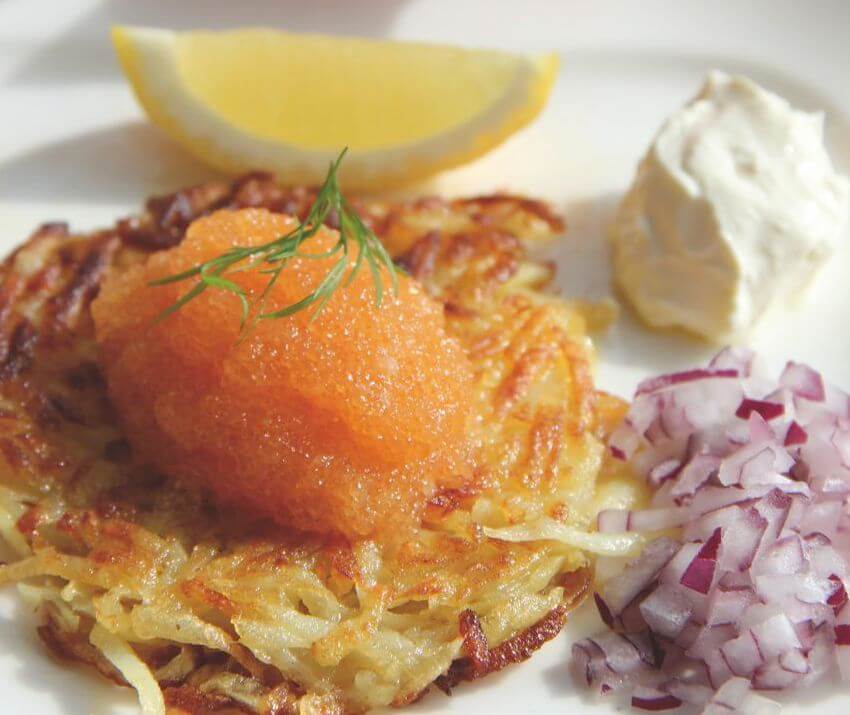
(203, 608)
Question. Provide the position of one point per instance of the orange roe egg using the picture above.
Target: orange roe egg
(343, 425)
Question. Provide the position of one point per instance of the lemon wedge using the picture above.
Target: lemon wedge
(255, 98)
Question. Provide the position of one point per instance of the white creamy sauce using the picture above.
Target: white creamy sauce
(734, 207)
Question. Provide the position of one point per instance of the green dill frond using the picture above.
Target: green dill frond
(271, 259)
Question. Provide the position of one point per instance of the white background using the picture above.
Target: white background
(74, 146)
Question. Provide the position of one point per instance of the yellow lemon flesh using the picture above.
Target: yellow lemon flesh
(255, 98)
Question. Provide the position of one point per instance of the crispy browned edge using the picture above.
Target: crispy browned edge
(161, 226)
(480, 660)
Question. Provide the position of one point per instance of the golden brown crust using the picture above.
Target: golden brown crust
(64, 646)
(480, 660)
(188, 699)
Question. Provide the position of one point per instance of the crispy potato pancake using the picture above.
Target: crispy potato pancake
(203, 609)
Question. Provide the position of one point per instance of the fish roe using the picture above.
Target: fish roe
(343, 425)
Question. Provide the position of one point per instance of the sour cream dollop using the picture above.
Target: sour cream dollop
(734, 207)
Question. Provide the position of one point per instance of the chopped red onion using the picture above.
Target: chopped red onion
(708, 640)
(621, 590)
(610, 660)
(619, 520)
(700, 572)
(794, 661)
(736, 358)
(803, 381)
(679, 563)
(663, 471)
(783, 557)
(749, 527)
(727, 605)
(652, 699)
(795, 435)
(821, 654)
(775, 636)
(753, 596)
(742, 654)
(695, 474)
(758, 430)
(666, 611)
(664, 382)
(768, 410)
(838, 597)
(691, 693)
(772, 676)
(604, 612)
(735, 696)
(837, 401)
(618, 453)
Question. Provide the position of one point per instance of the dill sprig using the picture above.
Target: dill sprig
(271, 258)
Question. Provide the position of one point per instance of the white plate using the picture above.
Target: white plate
(74, 146)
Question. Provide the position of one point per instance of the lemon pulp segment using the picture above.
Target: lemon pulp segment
(263, 99)
(295, 88)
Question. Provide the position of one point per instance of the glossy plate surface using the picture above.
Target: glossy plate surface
(74, 146)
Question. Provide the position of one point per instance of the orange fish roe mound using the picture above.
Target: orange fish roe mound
(343, 425)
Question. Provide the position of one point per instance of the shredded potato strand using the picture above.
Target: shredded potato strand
(549, 530)
(121, 655)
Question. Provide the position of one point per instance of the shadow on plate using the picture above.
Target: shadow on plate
(582, 255)
(83, 52)
(124, 163)
(462, 696)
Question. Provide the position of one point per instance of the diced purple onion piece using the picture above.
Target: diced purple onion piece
(839, 595)
(604, 612)
(768, 410)
(666, 611)
(652, 699)
(795, 435)
(677, 378)
(772, 676)
(690, 693)
(660, 473)
(699, 574)
(621, 590)
(803, 381)
(794, 661)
